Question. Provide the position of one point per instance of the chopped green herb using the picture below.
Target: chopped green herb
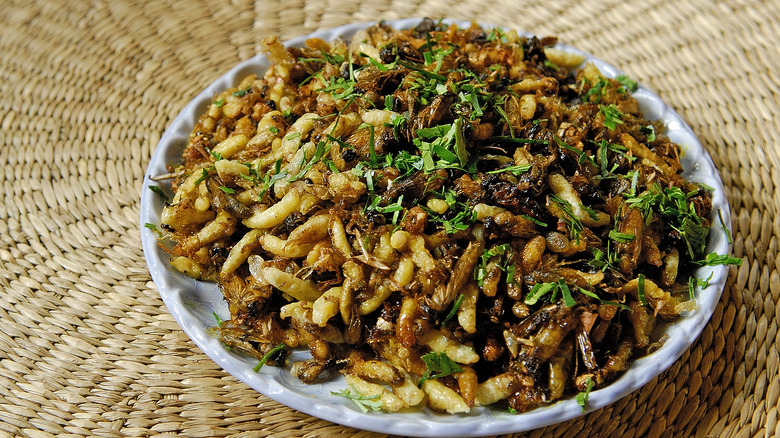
(219, 102)
(274, 130)
(573, 223)
(219, 320)
(439, 365)
(594, 296)
(267, 356)
(242, 93)
(203, 175)
(567, 298)
(510, 274)
(340, 88)
(627, 82)
(596, 91)
(514, 170)
(227, 190)
(538, 291)
(640, 290)
(454, 310)
(269, 180)
(723, 226)
(582, 397)
(536, 221)
(365, 403)
(160, 192)
(649, 131)
(621, 237)
(159, 234)
(693, 282)
(216, 155)
(612, 116)
(603, 261)
(713, 259)
(485, 258)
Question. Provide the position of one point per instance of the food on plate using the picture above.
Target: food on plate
(451, 217)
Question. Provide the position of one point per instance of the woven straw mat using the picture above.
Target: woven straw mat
(87, 347)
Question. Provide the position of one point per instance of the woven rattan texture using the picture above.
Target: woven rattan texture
(87, 88)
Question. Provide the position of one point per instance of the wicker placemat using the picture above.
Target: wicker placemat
(87, 347)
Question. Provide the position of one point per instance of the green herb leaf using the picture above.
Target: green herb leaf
(159, 234)
(159, 192)
(203, 175)
(242, 93)
(713, 259)
(612, 116)
(514, 170)
(621, 237)
(594, 296)
(640, 290)
(723, 226)
(649, 131)
(536, 221)
(567, 298)
(439, 365)
(268, 356)
(573, 223)
(219, 320)
(365, 403)
(454, 310)
(538, 291)
(627, 82)
(582, 397)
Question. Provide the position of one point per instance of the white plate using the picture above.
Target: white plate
(191, 302)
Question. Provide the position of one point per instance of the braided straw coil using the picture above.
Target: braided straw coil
(87, 347)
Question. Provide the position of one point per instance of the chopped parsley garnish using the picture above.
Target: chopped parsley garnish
(269, 355)
(514, 170)
(693, 282)
(582, 397)
(573, 223)
(216, 317)
(203, 175)
(454, 310)
(627, 82)
(713, 259)
(621, 237)
(640, 289)
(612, 116)
(603, 261)
(242, 93)
(723, 226)
(365, 403)
(487, 255)
(594, 296)
(159, 234)
(538, 291)
(159, 192)
(439, 365)
(648, 131)
(567, 298)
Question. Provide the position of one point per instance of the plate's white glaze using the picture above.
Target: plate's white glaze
(192, 303)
